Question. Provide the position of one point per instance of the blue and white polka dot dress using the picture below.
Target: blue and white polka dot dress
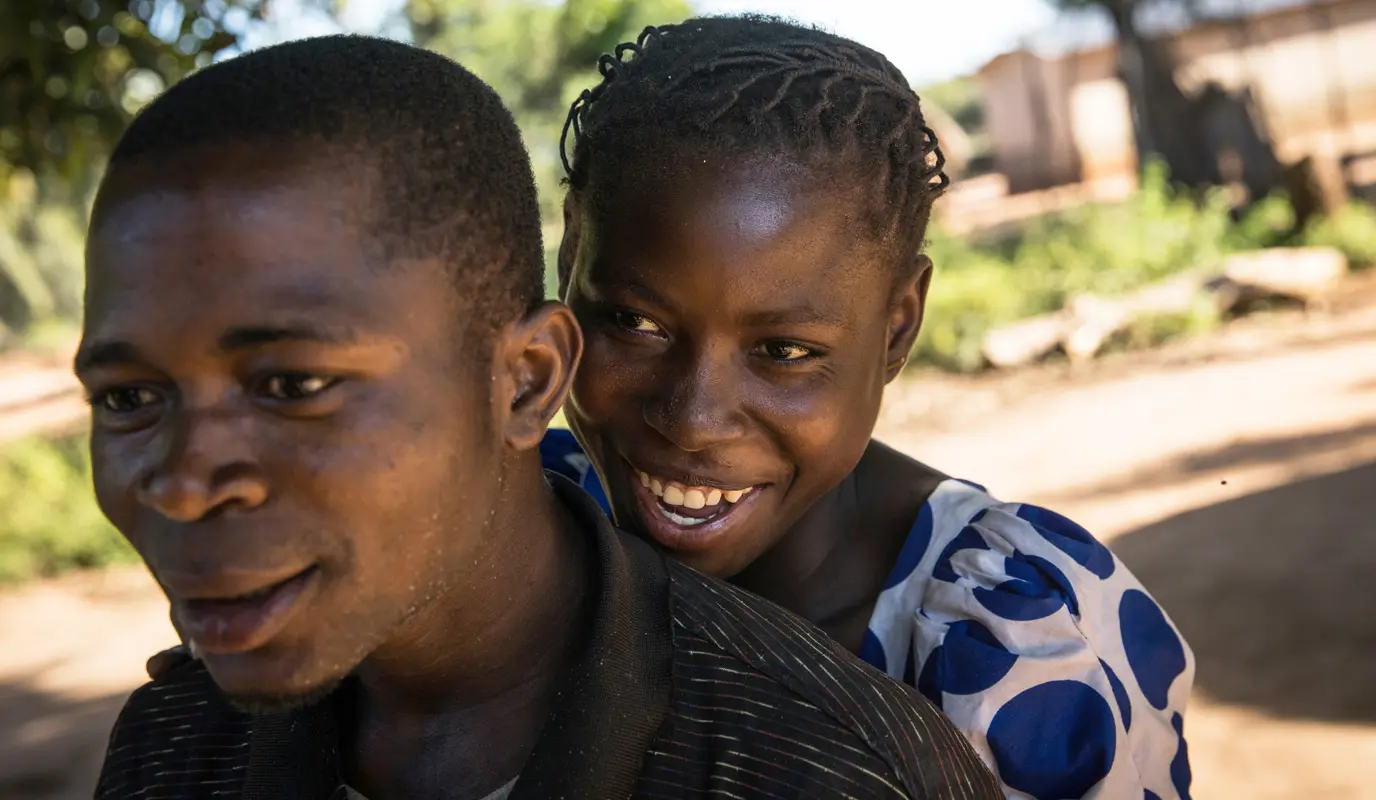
(1044, 650)
(1035, 640)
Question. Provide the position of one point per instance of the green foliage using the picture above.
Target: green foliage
(49, 522)
(1154, 330)
(538, 55)
(960, 97)
(73, 71)
(1100, 249)
(974, 289)
(40, 262)
(1352, 229)
(1269, 222)
(1110, 249)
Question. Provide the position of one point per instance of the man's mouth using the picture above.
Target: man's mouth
(689, 516)
(223, 618)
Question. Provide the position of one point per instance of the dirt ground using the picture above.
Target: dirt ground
(1236, 476)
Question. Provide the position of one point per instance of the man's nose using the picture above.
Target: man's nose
(206, 468)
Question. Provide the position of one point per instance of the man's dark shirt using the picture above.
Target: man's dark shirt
(688, 687)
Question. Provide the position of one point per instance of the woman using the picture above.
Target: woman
(747, 202)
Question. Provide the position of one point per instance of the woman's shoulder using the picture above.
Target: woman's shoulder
(966, 515)
(1015, 561)
(560, 453)
(1022, 626)
(1016, 568)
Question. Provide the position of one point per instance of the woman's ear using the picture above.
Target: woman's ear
(905, 316)
(568, 246)
(533, 369)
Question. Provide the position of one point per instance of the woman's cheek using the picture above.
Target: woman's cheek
(607, 380)
(819, 423)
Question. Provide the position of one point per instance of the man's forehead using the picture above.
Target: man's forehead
(213, 251)
(131, 208)
(281, 283)
(311, 295)
(268, 242)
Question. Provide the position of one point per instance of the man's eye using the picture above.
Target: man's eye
(125, 400)
(786, 351)
(634, 322)
(296, 386)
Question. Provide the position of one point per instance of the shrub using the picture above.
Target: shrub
(1352, 229)
(49, 522)
(1110, 250)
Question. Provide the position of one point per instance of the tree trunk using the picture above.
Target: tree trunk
(1163, 122)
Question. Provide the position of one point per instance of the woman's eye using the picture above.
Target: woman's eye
(786, 351)
(294, 386)
(635, 322)
(126, 400)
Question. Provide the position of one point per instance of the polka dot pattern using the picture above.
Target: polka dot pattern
(929, 681)
(1071, 539)
(914, 548)
(1180, 765)
(1030, 683)
(872, 652)
(561, 453)
(1154, 650)
(970, 660)
(968, 539)
(1120, 693)
(1054, 740)
(1037, 589)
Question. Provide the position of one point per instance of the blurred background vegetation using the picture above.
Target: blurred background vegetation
(73, 72)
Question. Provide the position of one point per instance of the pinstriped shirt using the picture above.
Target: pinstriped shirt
(688, 688)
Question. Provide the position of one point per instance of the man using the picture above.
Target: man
(319, 367)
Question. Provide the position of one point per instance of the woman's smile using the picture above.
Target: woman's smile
(693, 514)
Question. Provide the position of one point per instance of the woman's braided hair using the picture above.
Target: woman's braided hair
(752, 84)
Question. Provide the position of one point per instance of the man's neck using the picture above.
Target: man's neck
(460, 694)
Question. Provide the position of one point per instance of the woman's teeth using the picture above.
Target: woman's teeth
(672, 493)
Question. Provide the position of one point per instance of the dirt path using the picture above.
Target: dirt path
(1236, 477)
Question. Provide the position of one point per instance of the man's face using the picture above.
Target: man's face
(284, 429)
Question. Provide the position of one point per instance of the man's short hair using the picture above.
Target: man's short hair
(454, 181)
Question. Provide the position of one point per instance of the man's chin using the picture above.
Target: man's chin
(269, 703)
(268, 682)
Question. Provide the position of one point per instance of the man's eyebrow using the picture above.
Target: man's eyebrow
(101, 354)
(121, 353)
(248, 337)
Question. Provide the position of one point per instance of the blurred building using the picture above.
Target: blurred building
(1311, 71)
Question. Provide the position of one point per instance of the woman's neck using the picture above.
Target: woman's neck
(830, 566)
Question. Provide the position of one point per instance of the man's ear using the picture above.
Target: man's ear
(568, 246)
(534, 361)
(905, 316)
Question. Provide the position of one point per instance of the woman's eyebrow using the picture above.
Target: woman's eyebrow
(806, 314)
(639, 290)
(105, 353)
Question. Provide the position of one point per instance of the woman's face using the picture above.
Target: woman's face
(741, 324)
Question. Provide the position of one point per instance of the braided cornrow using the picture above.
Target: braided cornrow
(753, 83)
